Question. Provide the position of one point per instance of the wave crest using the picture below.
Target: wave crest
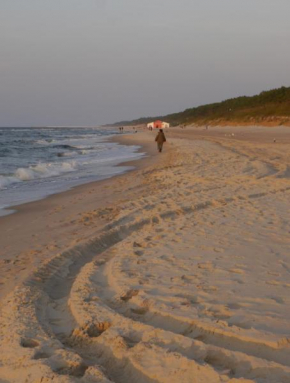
(42, 170)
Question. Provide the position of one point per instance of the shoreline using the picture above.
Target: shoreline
(190, 132)
(37, 228)
(13, 209)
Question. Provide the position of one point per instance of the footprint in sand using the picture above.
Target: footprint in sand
(236, 271)
(234, 306)
(188, 278)
(207, 288)
(220, 313)
(139, 253)
(273, 283)
(274, 274)
(218, 250)
(138, 244)
(205, 266)
(278, 300)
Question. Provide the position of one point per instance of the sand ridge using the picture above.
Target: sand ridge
(186, 282)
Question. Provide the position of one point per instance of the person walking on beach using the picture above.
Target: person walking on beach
(160, 139)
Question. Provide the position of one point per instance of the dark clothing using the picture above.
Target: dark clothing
(160, 139)
(159, 146)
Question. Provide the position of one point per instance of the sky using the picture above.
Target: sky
(91, 62)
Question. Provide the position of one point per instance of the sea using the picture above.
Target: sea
(38, 162)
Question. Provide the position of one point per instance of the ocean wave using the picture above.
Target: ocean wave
(80, 150)
(46, 141)
(68, 154)
(85, 151)
(7, 180)
(64, 146)
(42, 170)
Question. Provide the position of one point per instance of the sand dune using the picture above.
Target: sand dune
(187, 280)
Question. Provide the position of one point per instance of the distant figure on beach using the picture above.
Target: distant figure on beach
(160, 139)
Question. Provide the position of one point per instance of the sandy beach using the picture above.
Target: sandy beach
(177, 271)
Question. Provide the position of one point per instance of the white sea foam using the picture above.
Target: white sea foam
(55, 161)
(44, 170)
(68, 154)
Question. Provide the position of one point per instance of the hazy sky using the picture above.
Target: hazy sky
(89, 62)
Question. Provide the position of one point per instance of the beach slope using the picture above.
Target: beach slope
(176, 272)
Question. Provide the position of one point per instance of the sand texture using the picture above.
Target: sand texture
(182, 275)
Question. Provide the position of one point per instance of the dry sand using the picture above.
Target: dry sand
(175, 272)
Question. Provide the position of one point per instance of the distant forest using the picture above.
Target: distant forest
(269, 106)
